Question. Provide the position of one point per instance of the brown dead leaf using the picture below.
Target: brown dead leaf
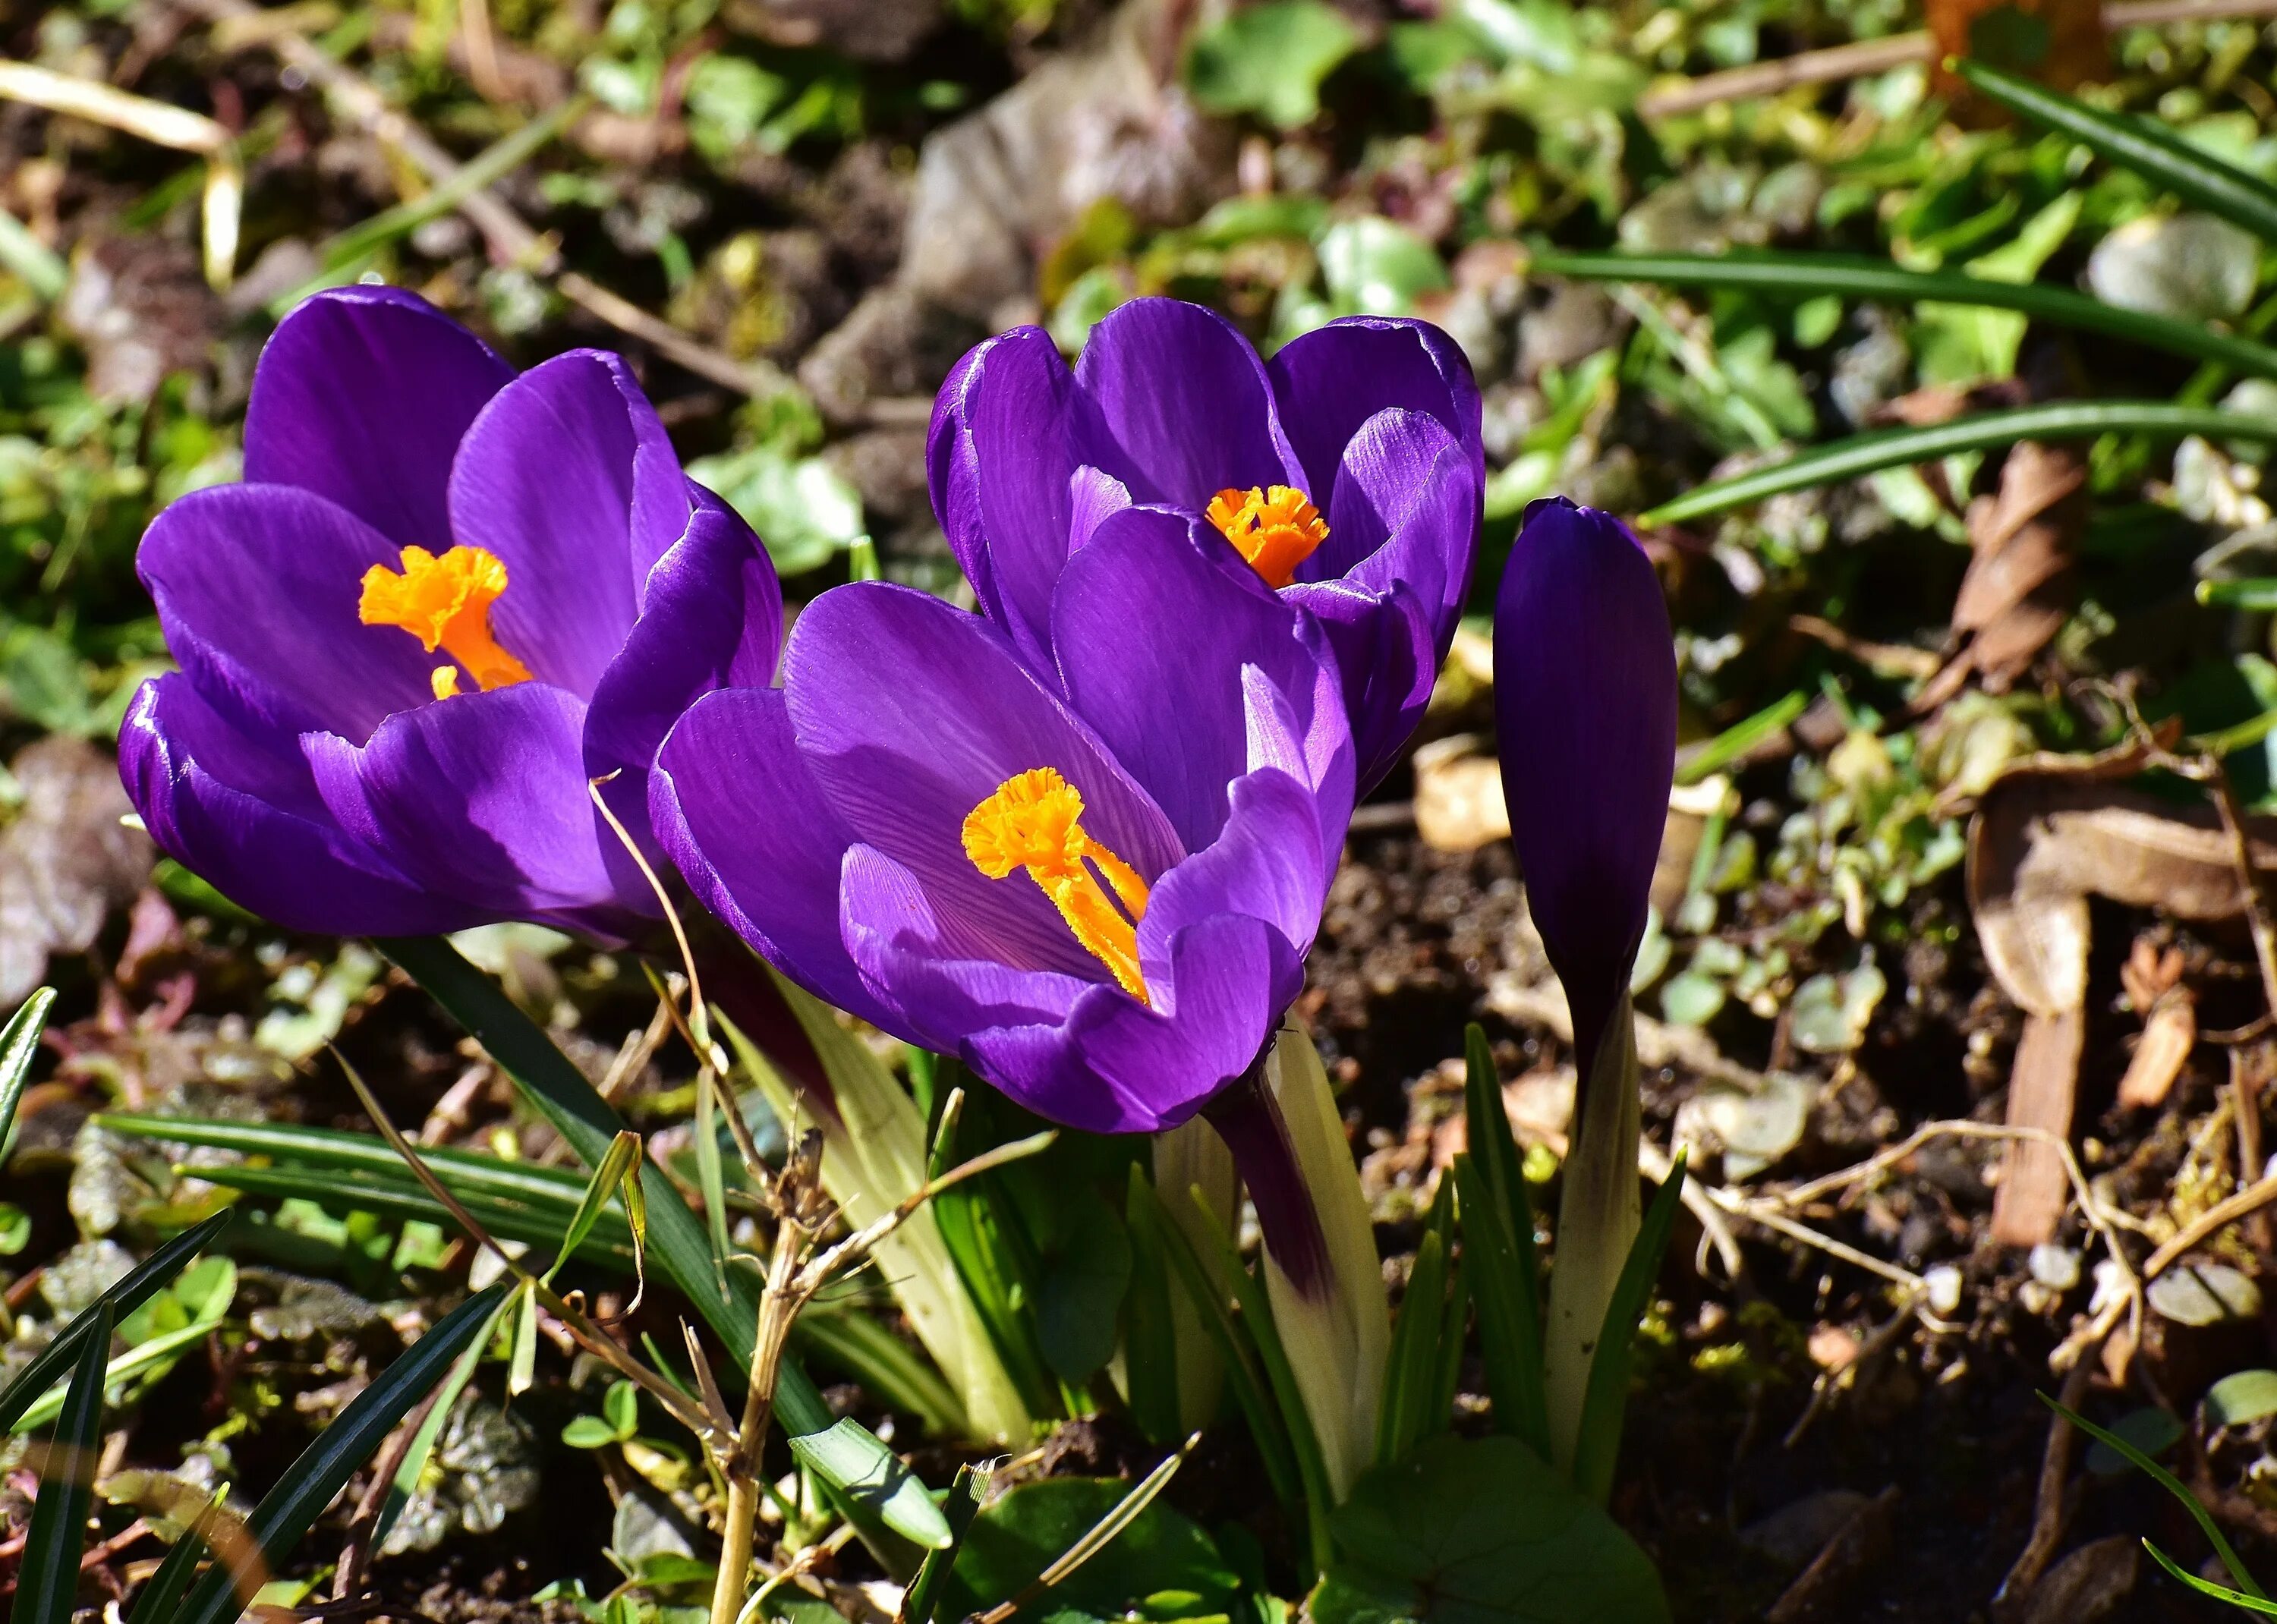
(2059, 42)
(65, 860)
(1459, 796)
(2046, 837)
(2018, 589)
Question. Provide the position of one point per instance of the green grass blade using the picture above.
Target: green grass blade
(1411, 1373)
(289, 1510)
(1597, 1448)
(560, 1093)
(339, 1193)
(465, 1172)
(2207, 1587)
(162, 1594)
(1150, 1342)
(849, 1456)
(133, 1290)
(19, 1042)
(1714, 754)
(616, 1166)
(1257, 1315)
(2157, 154)
(676, 1239)
(1810, 276)
(1891, 447)
(1239, 1352)
(963, 1504)
(48, 1582)
(2172, 1485)
(1510, 1316)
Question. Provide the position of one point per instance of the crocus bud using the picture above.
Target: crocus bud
(1584, 701)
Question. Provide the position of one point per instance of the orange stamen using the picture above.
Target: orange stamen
(1275, 530)
(446, 604)
(1034, 821)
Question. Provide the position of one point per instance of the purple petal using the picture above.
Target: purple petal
(243, 813)
(743, 818)
(361, 396)
(1183, 406)
(1000, 459)
(934, 969)
(1267, 863)
(1331, 380)
(1585, 701)
(711, 618)
(1116, 1067)
(1385, 650)
(911, 714)
(1094, 497)
(1407, 507)
(1153, 625)
(480, 796)
(257, 587)
(567, 477)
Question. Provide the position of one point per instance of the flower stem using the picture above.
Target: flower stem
(1250, 1123)
(1598, 1214)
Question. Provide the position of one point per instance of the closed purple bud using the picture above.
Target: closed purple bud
(1584, 701)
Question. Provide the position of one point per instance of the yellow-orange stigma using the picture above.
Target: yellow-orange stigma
(1275, 530)
(1034, 821)
(446, 604)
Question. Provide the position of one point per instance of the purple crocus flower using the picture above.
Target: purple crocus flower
(1585, 702)
(1097, 886)
(444, 599)
(1348, 470)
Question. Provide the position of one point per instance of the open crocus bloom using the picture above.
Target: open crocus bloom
(1347, 471)
(444, 599)
(1096, 884)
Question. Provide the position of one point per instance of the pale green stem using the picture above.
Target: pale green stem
(1597, 1216)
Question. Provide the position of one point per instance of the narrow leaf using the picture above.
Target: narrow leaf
(20, 1042)
(1150, 1342)
(522, 1367)
(848, 1457)
(1862, 454)
(2149, 150)
(414, 1464)
(163, 1595)
(919, 1601)
(1510, 1314)
(1811, 275)
(613, 1173)
(1411, 1376)
(48, 1582)
(137, 1286)
(2207, 1587)
(290, 1509)
(2172, 1485)
(1598, 1445)
(1238, 1350)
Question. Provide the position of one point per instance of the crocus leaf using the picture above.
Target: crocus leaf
(1510, 1313)
(923, 1597)
(1239, 1352)
(1481, 1531)
(1079, 1292)
(19, 1042)
(1149, 1335)
(162, 1594)
(1411, 1376)
(1598, 1444)
(2206, 1587)
(48, 1582)
(1870, 453)
(291, 1508)
(1809, 276)
(2148, 148)
(131, 1292)
(2172, 1485)
(849, 1458)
